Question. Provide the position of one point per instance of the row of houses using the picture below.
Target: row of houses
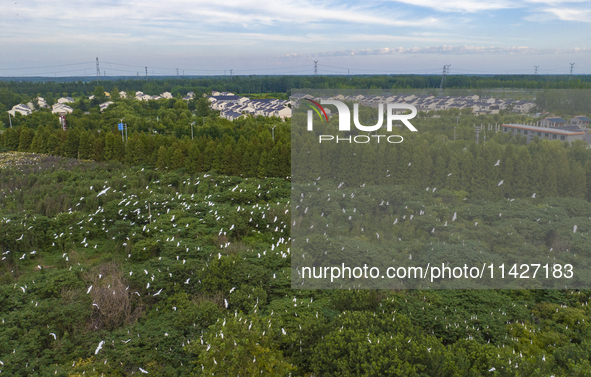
(233, 107)
(28, 108)
(140, 96)
(552, 121)
(428, 102)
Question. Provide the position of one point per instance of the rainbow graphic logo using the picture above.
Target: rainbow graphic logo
(319, 106)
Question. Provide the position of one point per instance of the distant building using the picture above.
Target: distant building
(66, 100)
(562, 133)
(60, 108)
(580, 120)
(21, 109)
(104, 105)
(166, 95)
(552, 122)
(231, 115)
(142, 97)
(523, 107)
(42, 103)
(122, 94)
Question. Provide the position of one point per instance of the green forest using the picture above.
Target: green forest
(180, 236)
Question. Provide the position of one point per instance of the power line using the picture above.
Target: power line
(49, 66)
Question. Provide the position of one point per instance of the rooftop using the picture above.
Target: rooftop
(562, 130)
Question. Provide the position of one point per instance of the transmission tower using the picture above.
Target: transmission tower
(536, 69)
(231, 74)
(177, 72)
(315, 67)
(444, 73)
(146, 73)
(98, 70)
(572, 66)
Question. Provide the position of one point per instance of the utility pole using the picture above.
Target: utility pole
(315, 67)
(192, 130)
(457, 122)
(98, 70)
(10, 120)
(273, 132)
(126, 138)
(536, 69)
(477, 129)
(572, 66)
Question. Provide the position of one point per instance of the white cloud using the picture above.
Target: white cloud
(190, 14)
(465, 6)
(570, 14)
(446, 50)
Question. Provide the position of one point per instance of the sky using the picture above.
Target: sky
(64, 37)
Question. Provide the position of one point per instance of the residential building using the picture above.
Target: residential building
(60, 108)
(562, 133)
(552, 122)
(42, 103)
(66, 100)
(21, 109)
(580, 120)
(104, 105)
(523, 107)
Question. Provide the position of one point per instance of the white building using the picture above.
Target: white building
(42, 103)
(59, 108)
(21, 109)
(66, 100)
(523, 107)
(561, 133)
(104, 105)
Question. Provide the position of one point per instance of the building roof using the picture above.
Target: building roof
(562, 130)
(225, 98)
(583, 118)
(556, 120)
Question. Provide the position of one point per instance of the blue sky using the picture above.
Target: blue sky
(285, 37)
